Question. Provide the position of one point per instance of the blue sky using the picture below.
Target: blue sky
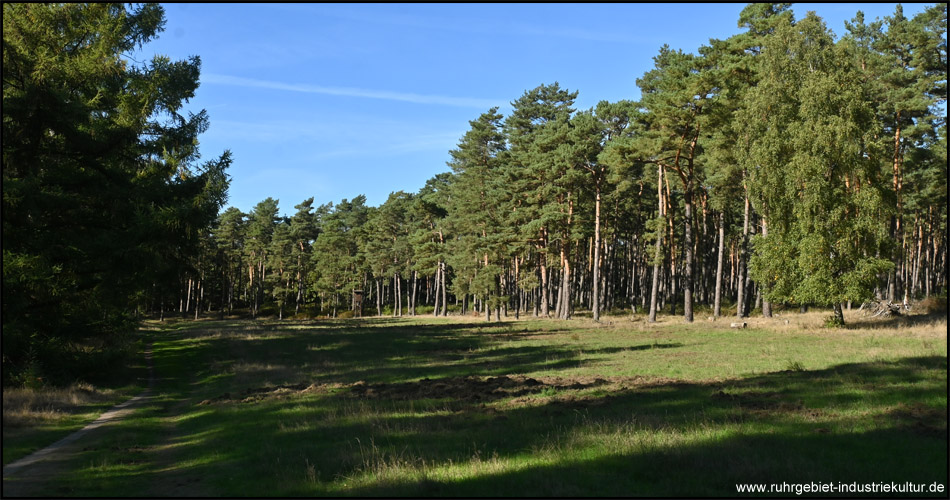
(337, 100)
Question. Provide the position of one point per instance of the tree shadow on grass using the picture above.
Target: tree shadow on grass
(707, 469)
(905, 321)
(864, 422)
(642, 347)
(859, 422)
(431, 405)
(393, 352)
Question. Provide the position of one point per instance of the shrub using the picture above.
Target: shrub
(931, 305)
(833, 322)
(794, 366)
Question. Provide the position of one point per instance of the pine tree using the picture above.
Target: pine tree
(229, 239)
(905, 71)
(103, 196)
(428, 236)
(261, 223)
(591, 134)
(477, 210)
(280, 261)
(337, 259)
(675, 95)
(303, 231)
(534, 130)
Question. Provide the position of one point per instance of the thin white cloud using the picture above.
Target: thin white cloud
(440, 143)
(344, 138)
(465, 102)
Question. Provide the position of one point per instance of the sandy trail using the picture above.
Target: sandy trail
(26, 475)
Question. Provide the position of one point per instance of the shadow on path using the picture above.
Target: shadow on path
(23, 475)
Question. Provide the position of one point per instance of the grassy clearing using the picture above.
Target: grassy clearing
(458, 407)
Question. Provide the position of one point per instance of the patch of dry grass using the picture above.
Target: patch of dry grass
(24, 406)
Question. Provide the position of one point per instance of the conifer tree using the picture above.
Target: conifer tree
(337, 259)
(280, 257)
(675, 95)
(103, 195)
(229, 239)
(260, 229)
(591, 133)
(477, 209)
(534, 131)
(428, 236)
(303, 231)
(904, 69)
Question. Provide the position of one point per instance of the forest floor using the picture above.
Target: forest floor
(460, 407)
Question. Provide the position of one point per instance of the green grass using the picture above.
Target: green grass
(36, 418)
(459, 407)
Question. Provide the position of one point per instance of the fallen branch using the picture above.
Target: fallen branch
(882, 308)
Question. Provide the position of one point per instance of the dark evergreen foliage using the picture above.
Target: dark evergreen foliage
(103, 198)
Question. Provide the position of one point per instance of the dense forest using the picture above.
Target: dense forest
(104, 198)
(778, 168)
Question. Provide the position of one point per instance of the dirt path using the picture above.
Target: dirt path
(26, 476)
(171, 480)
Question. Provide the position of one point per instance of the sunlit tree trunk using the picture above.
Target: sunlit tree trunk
(596, 277)
(743, 262)
(655, 288)
(717, 305)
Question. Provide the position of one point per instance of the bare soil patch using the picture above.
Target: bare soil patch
(253, 395)
(920, 418)
(470, 389)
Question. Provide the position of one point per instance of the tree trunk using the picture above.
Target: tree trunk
(412, 301)
(379, 297)
(766, 305)
(717, 306)
(544, 283)
(896, 219)
(517, 291)
(564, 291)
(671, 215)
(654, 291)
(596, 278)
(445, 304)
(916, 268)
(498, 298)
(199, 294)
(839, 314)
(188, 297)
(743, 264)
(438, 271)
(399, 294)
(688, 261)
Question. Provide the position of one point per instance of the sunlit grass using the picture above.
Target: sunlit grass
(36, 417)
(459, 407)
